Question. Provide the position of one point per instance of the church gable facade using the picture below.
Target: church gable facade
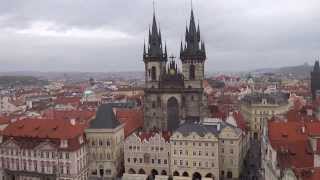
(172, 94)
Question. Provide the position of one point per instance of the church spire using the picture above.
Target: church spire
(155, 40)
(193, 45)
(192, 25)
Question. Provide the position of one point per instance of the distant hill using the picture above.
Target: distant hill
(8, 81)
(77, 76)
(300, 71)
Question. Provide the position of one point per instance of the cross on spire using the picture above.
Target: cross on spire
(153, 7)
(154, 46)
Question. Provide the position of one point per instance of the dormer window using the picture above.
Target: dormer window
(81, 139)
(64, 143)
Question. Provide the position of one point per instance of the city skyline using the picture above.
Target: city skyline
(99, 37)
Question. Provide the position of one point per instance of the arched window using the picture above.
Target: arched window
(192, 72)
(153, 73)
(172, 114)
(132, 171)
(141, 171)
(185, 174)
(176, 173)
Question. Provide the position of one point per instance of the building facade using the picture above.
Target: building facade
(257, 108)
(195, 151)
(232, 151)
(171, 95)
(147, 153)
(40, 149)
(211, 149)
(105, 144)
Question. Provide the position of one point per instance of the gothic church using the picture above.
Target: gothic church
(172, 95)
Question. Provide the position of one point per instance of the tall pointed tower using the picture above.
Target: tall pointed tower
(169, 95)
(315, 80)
(193, 55)
(154, 57)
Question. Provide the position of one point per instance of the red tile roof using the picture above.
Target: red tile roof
(241, 123)
(299, 116)
(44, 128)
(67, 100)
(79, 115)
(310, 174)
(28, 133)
(290, 140)
(4, 120)
(131, 118)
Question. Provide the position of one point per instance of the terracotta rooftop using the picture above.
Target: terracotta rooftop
(131, 118)
(78, 115)
(67, 100)
(240, 120)
(4, 120)
(290, 140)
(44, 129)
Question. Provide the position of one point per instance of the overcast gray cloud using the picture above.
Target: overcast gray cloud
(107, 35)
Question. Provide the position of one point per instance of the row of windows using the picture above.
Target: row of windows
(100, 143)
(134, 148)
(157, 148)
(264, 112)
(230, 141)
(194, 153)
(194, 163)
(230, 151)
(153, 161)
(101, 172)
(29, 153)
(100, 155)
(185, 143)
(153, 148)
(34, 166)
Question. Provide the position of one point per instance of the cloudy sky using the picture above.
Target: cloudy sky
(108, 35)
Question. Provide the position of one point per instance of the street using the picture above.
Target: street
(252, 162)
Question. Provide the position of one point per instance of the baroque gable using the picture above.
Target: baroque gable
(229, 132)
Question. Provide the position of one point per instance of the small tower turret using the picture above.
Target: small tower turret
(315, 80)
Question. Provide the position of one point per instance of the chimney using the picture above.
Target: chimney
(303, 129)
(73, 122)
